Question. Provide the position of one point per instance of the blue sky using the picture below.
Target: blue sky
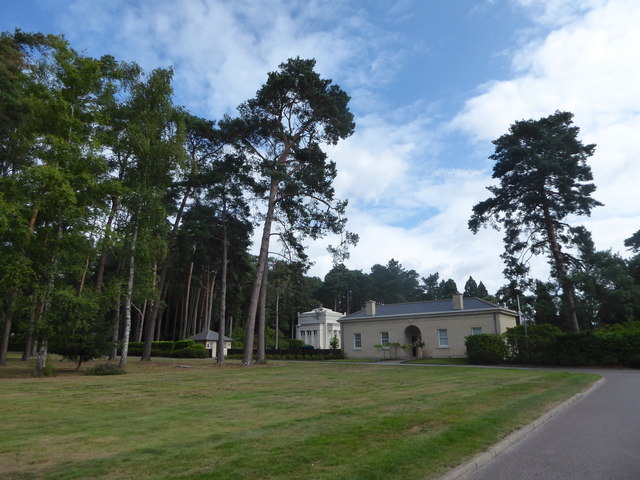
(432, 83)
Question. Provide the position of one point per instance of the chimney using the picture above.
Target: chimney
(458, 303)
(370, 308)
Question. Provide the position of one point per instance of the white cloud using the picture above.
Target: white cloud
(438, 243)
(589, 65)
(581, 57)
(222, 50)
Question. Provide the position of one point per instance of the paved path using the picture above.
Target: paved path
(597, 438)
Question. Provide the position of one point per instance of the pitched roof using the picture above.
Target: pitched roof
(427, 308)
(208, 335)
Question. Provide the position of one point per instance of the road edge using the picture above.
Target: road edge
(463, 471)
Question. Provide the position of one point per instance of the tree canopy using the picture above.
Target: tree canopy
(543, 176)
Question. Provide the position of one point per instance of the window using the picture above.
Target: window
(476, 330)
(357, 341)
(315, 332)
(443, 340)
(384, 338)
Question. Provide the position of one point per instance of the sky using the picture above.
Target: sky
(432, 83)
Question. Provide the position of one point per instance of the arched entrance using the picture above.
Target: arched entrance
(413, 337)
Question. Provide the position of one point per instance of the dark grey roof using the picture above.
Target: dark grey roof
(428, 307)
(208, 335)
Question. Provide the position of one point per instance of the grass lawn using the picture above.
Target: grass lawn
(440, 361)
(281, 421)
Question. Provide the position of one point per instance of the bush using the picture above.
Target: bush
(487, 348)
(106, 369)
(537, 346)
(180, 344)
(135, 349)
(164, 346)
(48, 371)
(192, 351)
(290, 344)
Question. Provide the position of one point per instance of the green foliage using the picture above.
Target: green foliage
(48, 371)
(438, 290)
(191, 351)
(544, 178)
(393, 284)
(608, 291)
(633, 242)
(486, 349)
(470, 288)
(534, 347)
(546, 344)
(310, 353)
(179, 349)
(181, 344)
(334, 343)
(294, 344)
(77, 330)
(105, 369)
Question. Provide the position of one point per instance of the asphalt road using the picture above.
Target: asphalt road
(597, 438)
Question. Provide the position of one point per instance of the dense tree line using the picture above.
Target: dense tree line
(123, 217)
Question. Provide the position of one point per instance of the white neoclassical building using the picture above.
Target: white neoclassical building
(318, 327)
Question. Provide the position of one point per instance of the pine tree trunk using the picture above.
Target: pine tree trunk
(186, 303)
(568, 303)
(194, 316)
(277, 316)
(250, 324)
(262, 320)
(208, 323)
(223, 297)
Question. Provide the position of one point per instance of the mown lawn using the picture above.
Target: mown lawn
(280, 421)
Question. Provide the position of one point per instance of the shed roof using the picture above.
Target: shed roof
(208, 335)
(427, 308)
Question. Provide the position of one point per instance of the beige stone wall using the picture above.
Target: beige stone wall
(457, 325)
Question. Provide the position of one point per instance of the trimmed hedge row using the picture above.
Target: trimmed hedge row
(292, 354)
(179, 349)
(544, 344)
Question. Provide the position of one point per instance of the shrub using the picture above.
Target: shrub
(164, 346)
(537, 346)
(290, 344)
(486, 348)
(106, 369)
(48, 371)
(180, 344)
(192, 351)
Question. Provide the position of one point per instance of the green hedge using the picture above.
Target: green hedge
(179, 349)
(544, 344)
(537, 346)
(487, 348)
(293, 354)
